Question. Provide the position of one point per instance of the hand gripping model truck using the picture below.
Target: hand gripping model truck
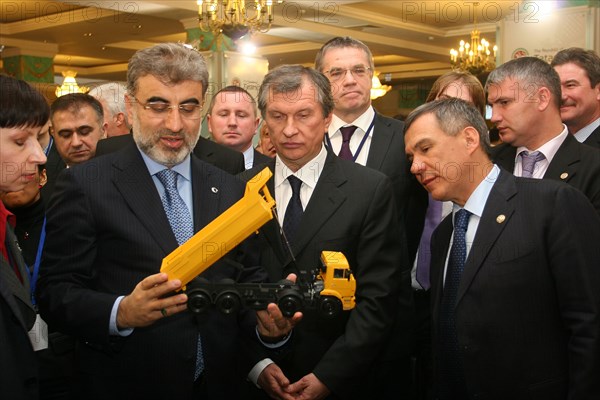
(330, 289)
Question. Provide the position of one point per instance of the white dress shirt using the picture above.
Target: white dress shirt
(475, 205)
(548, 149)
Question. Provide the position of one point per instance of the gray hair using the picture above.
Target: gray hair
(528, 71)
(169, 62)
(113, 95)
(343, 42)
(587, 60)
(453, 115)
(290, 78)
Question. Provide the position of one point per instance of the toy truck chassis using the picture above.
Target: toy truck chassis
(331, 288)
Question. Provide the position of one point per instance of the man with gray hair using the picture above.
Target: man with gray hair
(579, 72)
(112, 97)
(514, 278)
(111, 223)
(326, 203)
(525, 96)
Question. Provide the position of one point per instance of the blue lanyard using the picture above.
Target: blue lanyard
(49, 146)
(362, 142)
(36, 266)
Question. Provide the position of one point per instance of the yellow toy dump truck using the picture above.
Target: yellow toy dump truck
(330, 289)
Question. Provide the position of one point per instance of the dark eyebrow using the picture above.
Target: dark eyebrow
(157, 99)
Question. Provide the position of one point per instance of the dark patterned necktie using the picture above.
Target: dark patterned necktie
(452, 380)
(347, 132)
(182, 225)
(294, 211)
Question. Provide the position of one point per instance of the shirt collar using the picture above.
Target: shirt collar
(183, 168)
(363, 122)
(549, 148)
(586, 131)
(309, 173)
(476, 202)
(249, 157)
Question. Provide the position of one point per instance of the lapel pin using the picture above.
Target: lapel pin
(214, 189)
(564, 176)
(501, 218)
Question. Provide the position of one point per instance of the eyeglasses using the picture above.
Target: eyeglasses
(160, 109)
(358, 71)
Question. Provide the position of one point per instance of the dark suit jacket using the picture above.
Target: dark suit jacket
(574, 163)
(54, 166)
(594, 139)
(208, 151)
(528, 305)
(107, 230)
(19, 377)
(387, 155)
(260, 159)
(351, 210)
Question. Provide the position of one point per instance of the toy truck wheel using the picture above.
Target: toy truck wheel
(289, 301)
(330, 307)
(228, 302)
(198, 301)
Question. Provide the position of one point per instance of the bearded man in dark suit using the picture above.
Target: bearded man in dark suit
(111, 222)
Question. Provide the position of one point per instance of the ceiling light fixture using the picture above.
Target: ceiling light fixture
(474, 57)
(70, 85)
(377, 89)
(235, 18)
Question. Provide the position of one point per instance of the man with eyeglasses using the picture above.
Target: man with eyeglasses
(360, 134)
(110, 224)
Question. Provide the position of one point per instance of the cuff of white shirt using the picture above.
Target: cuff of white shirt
(275, 345)
(257, 370)
(113, 329)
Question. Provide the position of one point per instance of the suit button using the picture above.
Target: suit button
(465, 347)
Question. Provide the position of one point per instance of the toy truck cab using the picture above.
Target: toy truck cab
(338, 284)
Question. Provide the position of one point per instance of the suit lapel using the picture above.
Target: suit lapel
(380, 143)
(325, 200)
(564, 164)
(12, 283)
(133, 181)
(496, 215)
(440, 246)
(207, 194)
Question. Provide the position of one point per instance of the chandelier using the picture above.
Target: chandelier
(235, 18)
(474, 57)
(70, 85)
(377, 89)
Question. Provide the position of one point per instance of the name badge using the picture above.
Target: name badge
(38, 335)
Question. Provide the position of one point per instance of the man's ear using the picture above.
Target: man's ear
(471, 136)
(120, 119)
(129, 107)
(43, 178)
(545, 98)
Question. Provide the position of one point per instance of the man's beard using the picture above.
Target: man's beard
(150, 145)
